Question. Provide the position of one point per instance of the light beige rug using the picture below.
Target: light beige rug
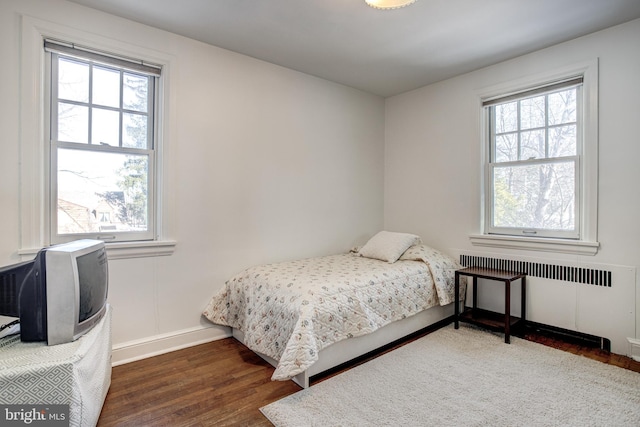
(468, 377)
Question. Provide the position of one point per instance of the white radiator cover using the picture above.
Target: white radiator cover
(591, 298)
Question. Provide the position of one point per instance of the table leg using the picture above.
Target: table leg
(456, 301)
(507, 311)
(524, 299)
(475, 297)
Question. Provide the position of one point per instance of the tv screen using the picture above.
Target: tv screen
(92, 278)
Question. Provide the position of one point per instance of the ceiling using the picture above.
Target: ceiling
(384, 52)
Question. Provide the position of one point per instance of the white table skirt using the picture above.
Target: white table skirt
(77, 374)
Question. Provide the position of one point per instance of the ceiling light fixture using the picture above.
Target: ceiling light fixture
(389, 4)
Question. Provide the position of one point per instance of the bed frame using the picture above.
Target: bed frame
(349, 349)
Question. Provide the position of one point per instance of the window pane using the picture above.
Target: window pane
(506, 148)
(101, 192)
(73, 123)
(562, 107)
(539, 196)
(135, 92)
(532, 145)
(73, 80)
(134, 129)
(563, 141)
(532, 114)
(105, 127)
(506, 117)
(106, 87)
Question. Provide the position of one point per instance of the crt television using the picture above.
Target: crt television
(59, 295)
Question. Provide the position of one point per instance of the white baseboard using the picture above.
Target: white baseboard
(159, 344)
(634, 348)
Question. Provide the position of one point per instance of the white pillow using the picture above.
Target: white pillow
(388, 246)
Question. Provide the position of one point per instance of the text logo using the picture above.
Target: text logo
(34, 415)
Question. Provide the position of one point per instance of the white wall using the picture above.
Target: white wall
(267, 164)
(433, 159)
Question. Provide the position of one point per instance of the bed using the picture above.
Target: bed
(307, 316)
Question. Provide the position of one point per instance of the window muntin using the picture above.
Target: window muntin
(534, 163)
(102, 151)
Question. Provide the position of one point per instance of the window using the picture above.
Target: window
(102, 124)
(539, 185)
(534, 176)
(37, 205)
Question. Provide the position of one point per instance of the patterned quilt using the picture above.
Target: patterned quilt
(290, 311)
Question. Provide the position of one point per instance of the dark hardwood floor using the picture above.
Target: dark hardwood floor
(218, 383)
(223, 383)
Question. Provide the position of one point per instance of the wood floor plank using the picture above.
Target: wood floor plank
(223, 383)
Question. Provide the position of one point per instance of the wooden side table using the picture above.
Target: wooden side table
(492, 320)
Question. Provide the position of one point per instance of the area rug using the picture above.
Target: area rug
(468, 377)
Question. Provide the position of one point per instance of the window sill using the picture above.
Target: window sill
(124, 250)
(576, 247)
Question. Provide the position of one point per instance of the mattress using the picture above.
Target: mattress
(290, 311)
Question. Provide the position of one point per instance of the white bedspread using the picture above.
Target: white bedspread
(290, 311)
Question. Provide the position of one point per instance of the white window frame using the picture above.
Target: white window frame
(61, 49)
(586, 243)
(34, 194)
(493, 164)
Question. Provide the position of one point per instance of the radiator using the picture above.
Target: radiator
(589, 298)
(565, 273)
